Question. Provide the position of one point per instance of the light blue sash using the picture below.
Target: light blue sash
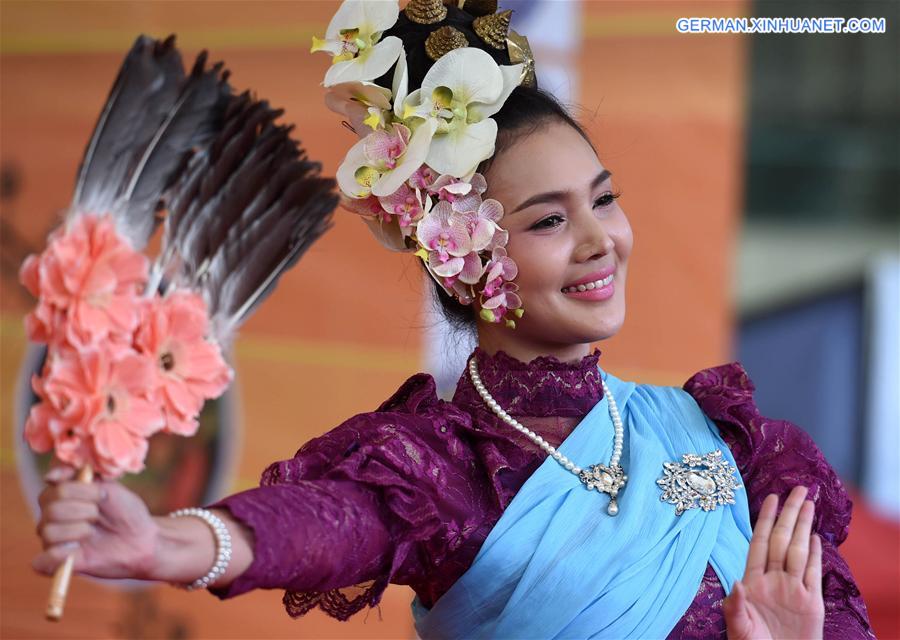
(557, 566)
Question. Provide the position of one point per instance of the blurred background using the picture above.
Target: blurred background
(761, 175)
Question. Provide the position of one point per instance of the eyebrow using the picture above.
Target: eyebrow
(559, 196)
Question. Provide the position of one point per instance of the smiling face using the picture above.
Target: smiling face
(565, 229)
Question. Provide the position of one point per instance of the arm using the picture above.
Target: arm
(112, 535)
(351, 506)
(780, 595)
(312, 535)
(185, 549)
(774, 456)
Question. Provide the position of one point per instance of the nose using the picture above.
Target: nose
(594, 241)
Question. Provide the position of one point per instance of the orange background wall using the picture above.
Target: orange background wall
(344, 329)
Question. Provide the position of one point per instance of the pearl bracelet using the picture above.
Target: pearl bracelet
(223, 545)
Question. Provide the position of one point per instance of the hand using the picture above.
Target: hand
(780, 596)
(106, 526)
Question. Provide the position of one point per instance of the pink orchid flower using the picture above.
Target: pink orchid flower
(189, 369)
(501, 268)
(405, 204)
(384, 147)
(443, 232)
(467, 269)
(368, 207)
(422, 177)
(385, 159)
(92, 275)
(482, 223)
(500, 239)
(464, 196)
(495, 308)
(498, 295)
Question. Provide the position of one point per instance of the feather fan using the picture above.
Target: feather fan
(153, 118)
(242, 213)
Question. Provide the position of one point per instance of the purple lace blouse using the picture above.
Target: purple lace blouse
(408, 493)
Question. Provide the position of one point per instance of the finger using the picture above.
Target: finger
(798, 550)
(812, 578)
(54, 533)
(759, 542)
(737, 619)
(48, 561)
(784, 529)
(59, 473)
(72, 511)
(70, 490)
(67, 511)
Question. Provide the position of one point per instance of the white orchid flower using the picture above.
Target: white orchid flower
(460, 92)
(353, 38)
(362, 103)
(367, 105)
(381, 162)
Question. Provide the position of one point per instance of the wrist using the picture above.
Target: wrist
(183, 550)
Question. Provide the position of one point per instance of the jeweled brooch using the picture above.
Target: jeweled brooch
(698, 481)
(605, 480)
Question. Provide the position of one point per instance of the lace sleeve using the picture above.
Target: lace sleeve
(773, 457)
(347, 514)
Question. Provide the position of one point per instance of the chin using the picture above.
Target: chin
(605, 329)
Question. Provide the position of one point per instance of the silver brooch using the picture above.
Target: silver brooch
(698, 481)
(605, 480)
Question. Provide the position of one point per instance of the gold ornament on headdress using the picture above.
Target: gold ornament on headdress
(493, 28)
(520, 51)
(476, 7)
(444, 40)
(425, 11)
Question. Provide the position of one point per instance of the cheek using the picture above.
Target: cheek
(623, 237)
(540, 261)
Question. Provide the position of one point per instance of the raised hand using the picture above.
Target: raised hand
(780, 595)
(106, 526)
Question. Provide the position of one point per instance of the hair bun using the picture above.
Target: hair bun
(472, 26)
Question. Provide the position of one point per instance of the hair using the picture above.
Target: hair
(525, 111)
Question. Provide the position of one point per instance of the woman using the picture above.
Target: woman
(476, 503)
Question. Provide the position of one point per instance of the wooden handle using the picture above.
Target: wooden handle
(60, 586)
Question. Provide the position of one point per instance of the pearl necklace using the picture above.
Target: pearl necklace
(605, 479)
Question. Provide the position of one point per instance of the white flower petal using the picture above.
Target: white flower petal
(459, 152)
(334, 47)
(400, 84)
(367, 93)
(381, 14)
(471, 74)
(371, 64)
(369, 16)
(346, 173)
(389, 234)
(511, 77)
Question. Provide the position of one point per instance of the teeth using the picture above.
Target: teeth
(588, 286)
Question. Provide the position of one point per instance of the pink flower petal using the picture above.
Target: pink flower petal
(472, 269)
(29, 275)
(37, 428)
(491, 210)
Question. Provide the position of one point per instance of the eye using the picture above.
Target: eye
(606, 199)
(556, 219)
(541, 224)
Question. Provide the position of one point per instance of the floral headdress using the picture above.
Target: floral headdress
(412, 176)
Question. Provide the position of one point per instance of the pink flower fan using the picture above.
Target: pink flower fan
(189, 368)
(87, 280)
(97, 408)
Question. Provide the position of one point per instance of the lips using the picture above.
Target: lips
(592, 277)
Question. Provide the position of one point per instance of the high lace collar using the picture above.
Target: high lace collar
(544, 386)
